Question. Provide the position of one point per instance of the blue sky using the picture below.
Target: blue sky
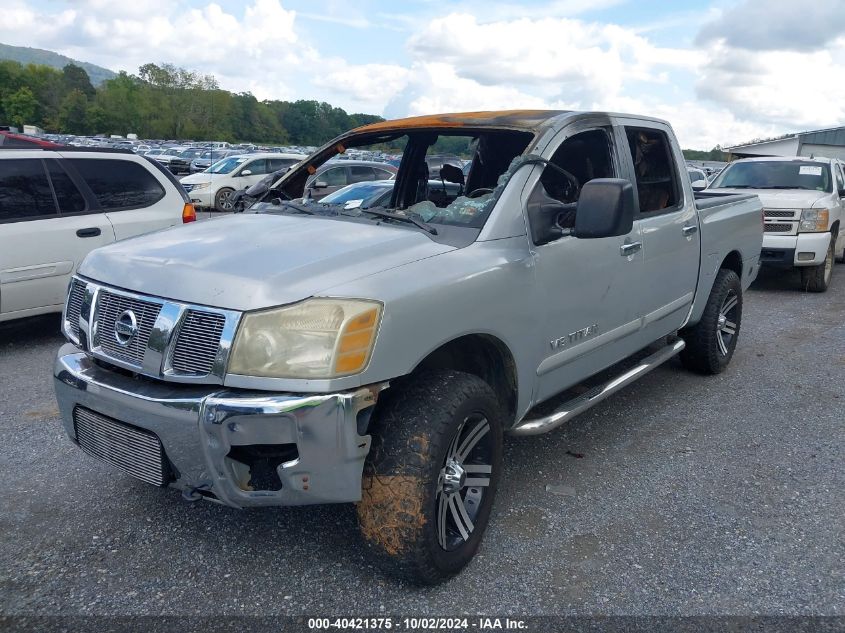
(720, 72)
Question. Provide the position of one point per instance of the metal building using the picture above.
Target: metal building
(828, 143)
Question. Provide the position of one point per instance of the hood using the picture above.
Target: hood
(199, 178)
(248, 262)
(782, 198)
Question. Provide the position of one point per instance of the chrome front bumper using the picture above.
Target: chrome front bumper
(199, 426)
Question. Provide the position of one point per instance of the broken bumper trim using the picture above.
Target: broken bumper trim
(198, 428)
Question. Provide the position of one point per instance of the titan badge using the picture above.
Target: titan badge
(575, 337)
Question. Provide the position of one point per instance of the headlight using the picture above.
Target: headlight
(318, 338)
(202, 185)
(813, 221)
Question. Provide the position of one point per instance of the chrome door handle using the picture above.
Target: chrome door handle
(630, 249)
(689, 230)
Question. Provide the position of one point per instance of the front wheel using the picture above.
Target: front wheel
(817, 278)
(223, 199)
(432, 474)
(710, 343)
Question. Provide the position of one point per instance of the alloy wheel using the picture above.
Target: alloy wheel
(463, 481)
(726, 324)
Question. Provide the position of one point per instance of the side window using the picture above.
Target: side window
(382, 174)
(25, 192)
(578, 160)
(657, 182)
(358, 173)
(334, 177)
(119, 184)
(840, 179)
(257, 167)
(68, 196)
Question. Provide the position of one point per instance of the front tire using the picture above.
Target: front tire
(432, 473)
(711, 342)
(817, 278)
(223, 199)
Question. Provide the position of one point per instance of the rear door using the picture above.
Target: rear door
(669, 221)
(135, 197)
(47, 226)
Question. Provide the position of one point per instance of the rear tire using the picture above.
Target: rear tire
(817, 278)
(223, 199)
(432, 473)
(711, 342)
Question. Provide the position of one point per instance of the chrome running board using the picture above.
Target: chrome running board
(571, 408)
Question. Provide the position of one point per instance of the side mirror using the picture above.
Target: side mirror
(246, 172)
(320, 184)
(699, 185)
(548, 217)
(605, 209)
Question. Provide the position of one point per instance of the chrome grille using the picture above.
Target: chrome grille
(774, 213)
(135, 451)
(74, 306)
(197, 342)
(777, 228)
(109, 308)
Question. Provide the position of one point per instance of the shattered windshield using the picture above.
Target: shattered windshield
(446, 177)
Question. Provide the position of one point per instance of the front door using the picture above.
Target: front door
(590, 287)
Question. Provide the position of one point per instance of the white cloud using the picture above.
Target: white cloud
(483, 55)
(792, 89)
(368, 86)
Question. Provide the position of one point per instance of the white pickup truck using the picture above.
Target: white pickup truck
(804, 208)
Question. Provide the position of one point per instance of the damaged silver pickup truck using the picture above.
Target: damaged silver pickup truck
(302, 353)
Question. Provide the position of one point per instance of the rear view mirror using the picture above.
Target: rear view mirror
(605, 209)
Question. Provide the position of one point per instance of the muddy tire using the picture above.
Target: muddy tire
(432, 473)
(711, 342)
(223, 199)
(817, 278)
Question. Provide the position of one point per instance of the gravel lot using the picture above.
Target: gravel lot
(682, 495)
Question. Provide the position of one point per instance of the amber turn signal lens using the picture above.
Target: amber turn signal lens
(356, 341)
(189, 214)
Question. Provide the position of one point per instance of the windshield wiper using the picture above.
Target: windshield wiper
(291, 205)
(402, 218)
(783, 187)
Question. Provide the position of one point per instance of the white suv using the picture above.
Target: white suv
(58, 205)
(213, 188)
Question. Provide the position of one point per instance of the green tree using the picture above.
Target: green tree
(75, 78)
(73, 113)
(21, 106)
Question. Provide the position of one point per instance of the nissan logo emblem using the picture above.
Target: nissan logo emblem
(125, 327)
